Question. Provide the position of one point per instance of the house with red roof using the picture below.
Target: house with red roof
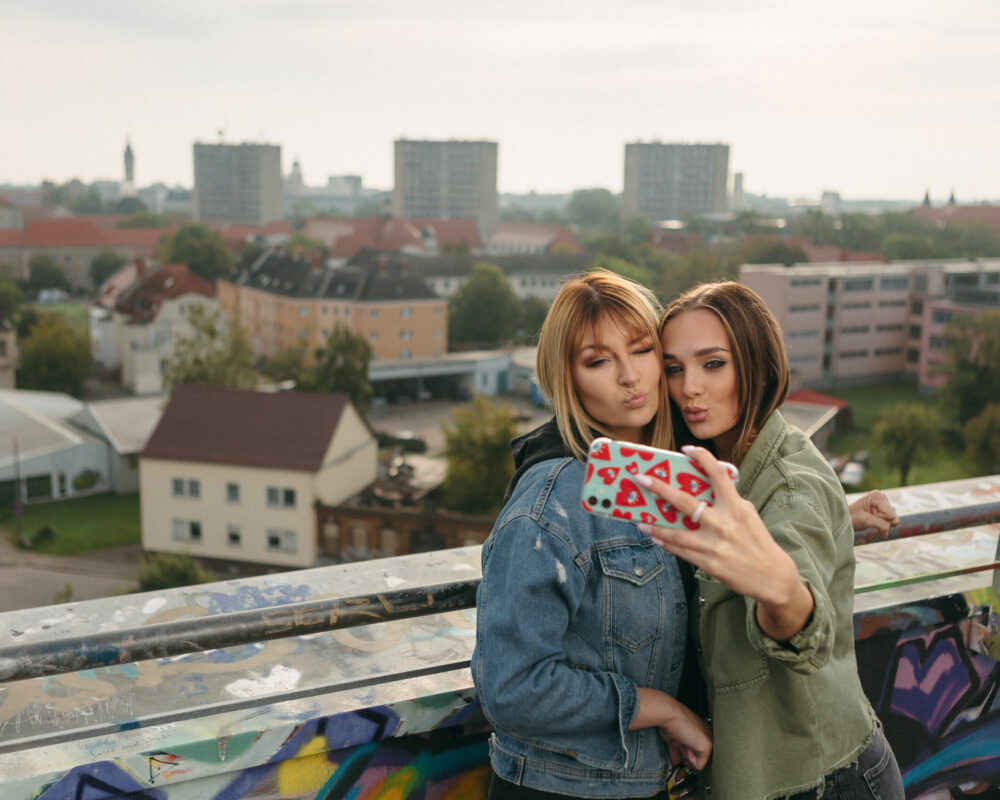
(344, 237)
(140, 314)
(532, 238)
(231, 475)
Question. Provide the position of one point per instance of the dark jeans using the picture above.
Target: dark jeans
(874, 777)
(505, 790)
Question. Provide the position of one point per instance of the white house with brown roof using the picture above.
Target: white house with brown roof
(235, 475)
(133, 326)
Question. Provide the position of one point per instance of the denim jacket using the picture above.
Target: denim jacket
(785, 714)
(575, 612)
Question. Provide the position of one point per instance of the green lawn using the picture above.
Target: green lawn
(943, 462)
(82, 524)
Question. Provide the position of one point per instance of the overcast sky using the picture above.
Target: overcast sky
(871, 98)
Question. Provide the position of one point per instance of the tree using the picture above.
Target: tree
(973, 365)
(593, 208)
(982, 440)
(203, 250)
(103, 266)
(533, 311)
(55, 356)
(145, 219)
(307, 244)
(213, 354)
(484, 311)
(168, 570)
(129, 205)
(477, 449)
(899, 246)
(342, 366)
(45, 273)
(771, 250)
(11, 298)
(906, 434)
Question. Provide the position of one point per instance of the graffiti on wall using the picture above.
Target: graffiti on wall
(938, 696)
(352, 756)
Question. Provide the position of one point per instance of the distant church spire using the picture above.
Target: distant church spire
(951, 200)
(927, 198)
(128, 185)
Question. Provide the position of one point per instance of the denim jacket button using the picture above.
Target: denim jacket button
(701, 600)
(639, 571)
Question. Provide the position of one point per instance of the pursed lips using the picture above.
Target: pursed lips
(635, 400)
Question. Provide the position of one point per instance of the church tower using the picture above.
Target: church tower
(128, 185)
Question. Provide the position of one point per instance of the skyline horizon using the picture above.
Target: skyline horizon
(859, 98)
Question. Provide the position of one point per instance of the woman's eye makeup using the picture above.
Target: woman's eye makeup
(672, 369)
(714, 363)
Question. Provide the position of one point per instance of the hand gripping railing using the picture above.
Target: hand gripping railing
(294, 619)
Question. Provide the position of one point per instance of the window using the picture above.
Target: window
(854, 354)
(232, 493)
(406, 313)
(437, 311)
(282, 541)
(938, 343)
(941, 317)
(859, 284)
(3, 347)
(373, 314)
(802, 334)
(855, 306)
(920, 283)
(894, 282)
(277, 496)
(888, 351)
(857, 329)
(891, 303)
(914, 331)
(912, 355)
(802, 359)
(233, 535)
(185, 488)
(187, 530)
(887, 328)
(302, 311)
(373, 336)
(794, 309)
(405, 335)
(437, 333)
(917, 307)
(62, 483)
(806, 281)
(405, 354)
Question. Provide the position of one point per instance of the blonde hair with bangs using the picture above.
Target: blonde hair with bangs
(581, 304)
(758, 350)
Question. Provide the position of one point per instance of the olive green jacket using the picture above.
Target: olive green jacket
(785, 714)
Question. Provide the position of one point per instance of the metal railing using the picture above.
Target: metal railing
(182, 637)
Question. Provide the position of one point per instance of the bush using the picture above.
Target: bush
(42, 536)
(169, 570)
(406, 444)
(85, 480)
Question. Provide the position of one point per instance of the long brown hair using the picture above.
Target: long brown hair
(581, 304)
(758, 350)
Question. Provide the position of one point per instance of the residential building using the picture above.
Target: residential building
(124, 425)
(136, 329)
(42, 452)
(237, 183)
(234, 475)
(674, 181)
(8, 354)
(953, 213)
(532, 238)
(284, 300)
(858, 322)
(345, 237)
(447, 180)
(10, 215)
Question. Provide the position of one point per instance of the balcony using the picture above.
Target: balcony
(352, 682)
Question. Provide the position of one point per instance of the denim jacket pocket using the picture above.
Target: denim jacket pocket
(633, 597)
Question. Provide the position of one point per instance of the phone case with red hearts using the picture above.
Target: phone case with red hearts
(610, 488)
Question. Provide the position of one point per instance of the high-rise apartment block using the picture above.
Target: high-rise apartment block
(855, 322)
(674, 181)
(237, 183)
(447, 180)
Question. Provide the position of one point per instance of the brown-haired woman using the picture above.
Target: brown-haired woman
(773, 617)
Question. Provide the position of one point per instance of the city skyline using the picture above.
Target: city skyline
(855, 98)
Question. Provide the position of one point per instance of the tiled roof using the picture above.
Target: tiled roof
(279, 430)
(345, 236)
(372, 279)
(61, 232)
(143, 299)
(535, 235)
(816, 398)
(460, 265)
(986, 214)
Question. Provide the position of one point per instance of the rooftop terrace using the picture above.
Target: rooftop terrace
(352, 681)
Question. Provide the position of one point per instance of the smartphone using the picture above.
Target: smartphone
(609, 487)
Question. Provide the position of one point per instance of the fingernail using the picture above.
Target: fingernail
(644, 481)
(687, 449)
(644, 527)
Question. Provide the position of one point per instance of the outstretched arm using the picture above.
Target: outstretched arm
(873, 510)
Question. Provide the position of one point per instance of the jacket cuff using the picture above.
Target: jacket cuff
(809, 649)
(628, 707)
